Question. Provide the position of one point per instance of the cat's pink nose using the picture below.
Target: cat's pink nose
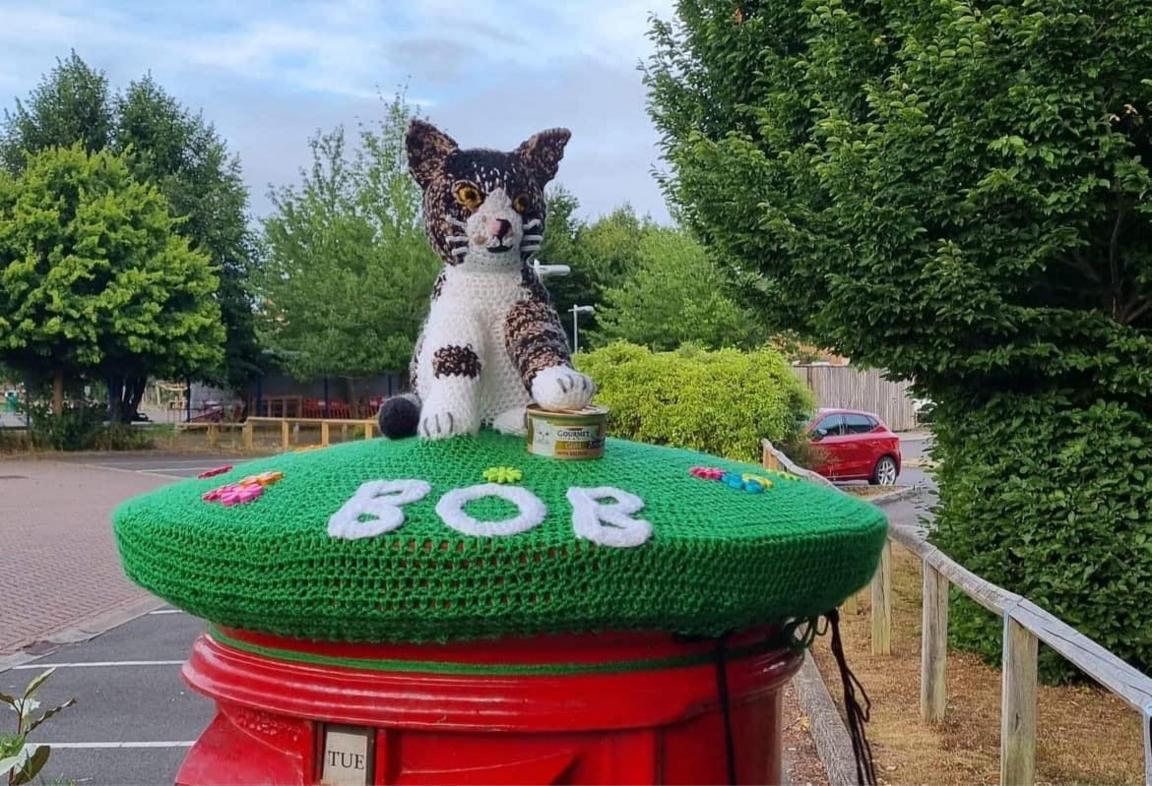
(499, 228)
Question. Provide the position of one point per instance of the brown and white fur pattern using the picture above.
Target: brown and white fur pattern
(492, 342)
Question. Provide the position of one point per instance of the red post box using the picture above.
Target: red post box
(612, 708)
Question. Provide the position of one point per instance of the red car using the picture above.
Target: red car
(852, 445)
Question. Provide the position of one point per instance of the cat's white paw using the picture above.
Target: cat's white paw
(511, 422)
(560, 387)
(445, 422)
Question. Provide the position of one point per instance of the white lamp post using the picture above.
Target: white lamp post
(543, 271)
(576, 325)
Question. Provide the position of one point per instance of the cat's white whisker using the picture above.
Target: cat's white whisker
(532, 224)
(530, 238)
(455, 221)
(526, 249)
(458, 251)
(457, 238)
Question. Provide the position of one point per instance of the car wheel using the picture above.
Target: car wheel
(884, 473)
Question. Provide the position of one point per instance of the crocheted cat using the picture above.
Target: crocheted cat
(492, 342)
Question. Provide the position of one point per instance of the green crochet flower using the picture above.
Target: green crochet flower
(503, 475)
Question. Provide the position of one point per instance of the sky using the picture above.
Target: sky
(269, 74)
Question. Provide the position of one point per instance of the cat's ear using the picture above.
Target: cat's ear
(541, 153)
(427, 146)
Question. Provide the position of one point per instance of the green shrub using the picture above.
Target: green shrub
(960, 192)
(1054, 501)
(80, 427)
(720, 402)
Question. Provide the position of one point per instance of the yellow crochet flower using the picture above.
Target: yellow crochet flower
(503, 475)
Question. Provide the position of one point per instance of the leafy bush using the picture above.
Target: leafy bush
(80, 427)
(720, 402)
(1054, 500)
(20, 760)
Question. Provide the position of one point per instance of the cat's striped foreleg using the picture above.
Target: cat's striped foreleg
(539, 350)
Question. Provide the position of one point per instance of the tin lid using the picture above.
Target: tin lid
(535, 409)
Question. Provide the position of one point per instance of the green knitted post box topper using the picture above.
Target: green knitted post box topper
(716, 558)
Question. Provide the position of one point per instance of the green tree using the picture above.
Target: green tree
(184, 157)
(69, 106)
(602, 254)
(347, 271)
(957, 192)
(676, 296)
(93, 276)
(561, 247)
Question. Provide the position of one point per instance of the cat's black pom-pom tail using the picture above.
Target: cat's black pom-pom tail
(399, 416)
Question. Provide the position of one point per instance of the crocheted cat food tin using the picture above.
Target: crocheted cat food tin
(567, 435)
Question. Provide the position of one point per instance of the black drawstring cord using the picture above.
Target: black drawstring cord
(857, 715)
(725, 706)
(854, 691)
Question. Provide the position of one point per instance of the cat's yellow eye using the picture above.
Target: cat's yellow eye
(469, 196)
(520, 203)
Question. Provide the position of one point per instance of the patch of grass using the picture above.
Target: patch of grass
(870, 491)
(1084, 734)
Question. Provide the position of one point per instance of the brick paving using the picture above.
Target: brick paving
(58, 561)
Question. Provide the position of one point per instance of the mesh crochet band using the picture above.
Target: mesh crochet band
(717, 559)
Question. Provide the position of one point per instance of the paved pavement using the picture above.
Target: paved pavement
(57, 552)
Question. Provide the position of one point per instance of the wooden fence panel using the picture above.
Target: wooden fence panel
(851, 388)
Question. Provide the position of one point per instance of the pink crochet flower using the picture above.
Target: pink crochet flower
(238, 495)
(234, 494)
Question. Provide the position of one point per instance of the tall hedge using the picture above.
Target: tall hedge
(957, 192)
(721, 402)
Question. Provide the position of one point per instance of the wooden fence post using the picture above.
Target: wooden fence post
(1018, 705)
(769, 460)
(368, 429)
(324, 433)
(285, 436)
(882, 604)
(213, 435)
(934, 646)
(249, 434)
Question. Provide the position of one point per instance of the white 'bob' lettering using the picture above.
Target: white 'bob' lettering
(532, 511)
(602, 515)
(375, 508)
(608, 525)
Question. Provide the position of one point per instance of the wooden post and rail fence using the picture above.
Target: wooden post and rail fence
(287, 427)
(1025, 626)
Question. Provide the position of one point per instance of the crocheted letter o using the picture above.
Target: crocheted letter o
(375, 508)
(450, 509)
(608, 525)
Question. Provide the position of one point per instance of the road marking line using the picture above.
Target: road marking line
(115, 469)
(96, 664)
(197, 468)
(167, 611)
(149, 744)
